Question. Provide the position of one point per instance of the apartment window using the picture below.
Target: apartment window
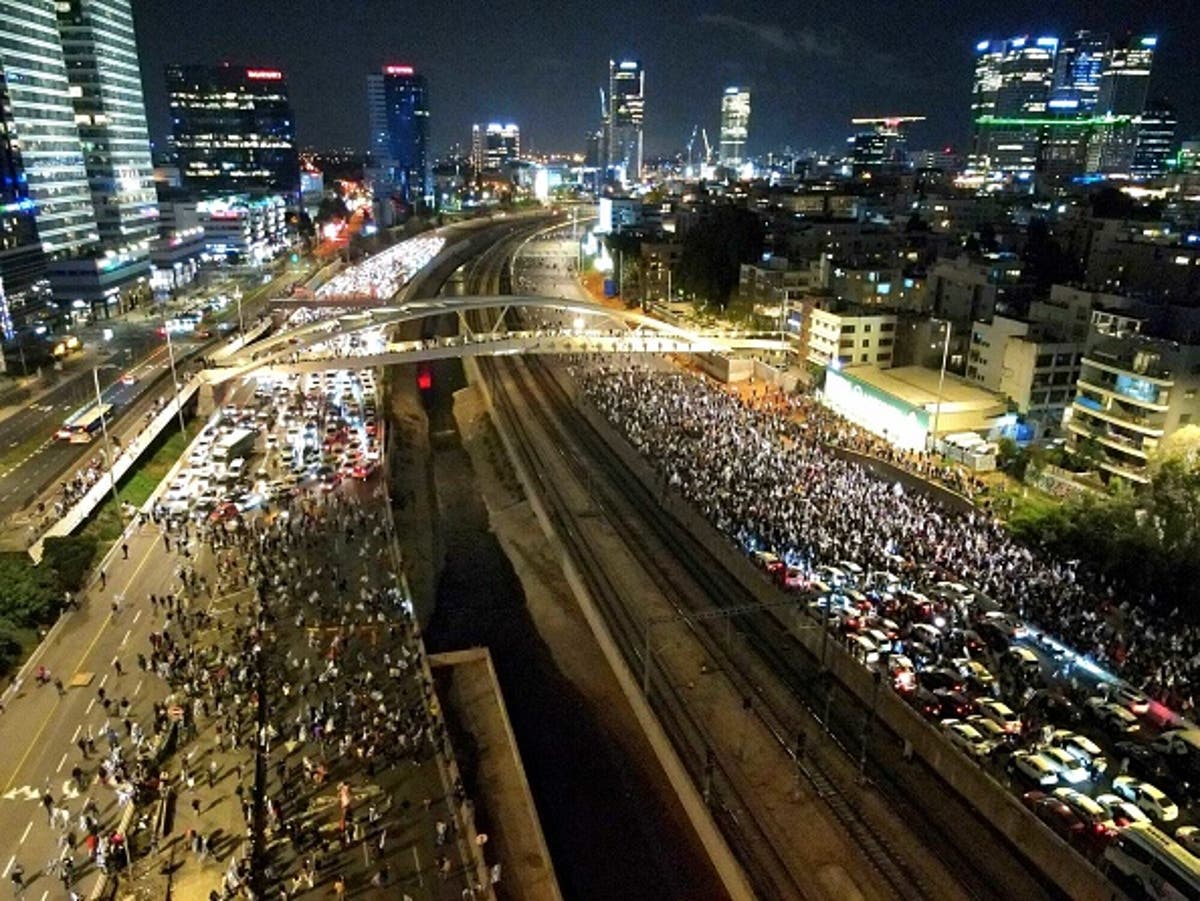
(1037, 398)
(864, 358)
(848, 329)
(1063, 360)
(867, 327)
(886, 342)
(846, 343)
(1061, 378)
(888, 327)
(866, 342)
(1190, 394)
(1045, 360)
(1057, 397)
(884, 358)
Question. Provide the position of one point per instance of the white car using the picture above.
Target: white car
(966, 737)
(1119, 809)
(990, 729)
(1147, 797)
(1085, 805)
(1113, 715)
(1000, 713)
(1081, 748)
(1034, 767)
(1189, 837)
(1070, 770)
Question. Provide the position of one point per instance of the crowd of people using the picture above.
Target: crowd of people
(765, 473)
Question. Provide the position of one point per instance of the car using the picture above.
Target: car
(1056, 708)
(1148, 798)
(990, 729)
(1056, 814)
(1128, 697)
(1070, 769)
(1085, 806)
(1189, 837)
(966, 737)
(1120, 811)
(1081, 748)
(954, 703)
(1033, 768)
(940, 677)
(128, 379)
(925, 702)
(1116, 718)
(1001, 713)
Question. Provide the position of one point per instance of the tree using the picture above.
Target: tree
(713, 250)
(69, 558)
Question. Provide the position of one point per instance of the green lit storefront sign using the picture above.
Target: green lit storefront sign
(903, 424)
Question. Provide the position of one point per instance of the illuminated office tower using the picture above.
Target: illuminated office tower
(232, 129)
(1155, 144)
(494, 146)
(39, 126)
(398, 106)
(1078, 68)
(626, 107)
(735, 126)
(100, 49)
(1126, 78)
(1010, 94)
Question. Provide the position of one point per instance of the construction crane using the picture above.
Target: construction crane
(698, 132)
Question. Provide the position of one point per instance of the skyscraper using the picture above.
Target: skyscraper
(494, 146)
(38, 120)
(1011, 90)
(626, 108)
(1077, 70)
(398, 104)
(1155, 143)
(735, 126)
(100, 49)
(1125, 81)
(232, 129)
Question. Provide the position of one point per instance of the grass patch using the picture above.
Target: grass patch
(139, 483)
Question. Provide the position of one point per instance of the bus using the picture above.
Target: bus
(83, 423)
(1148, 863)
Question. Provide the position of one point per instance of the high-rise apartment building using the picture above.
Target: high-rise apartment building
(232, 129)
(626, 108)
(398, 107)
(1155, 143)
(38, 118)
(735, 126)
(100, 50)
(494, 146)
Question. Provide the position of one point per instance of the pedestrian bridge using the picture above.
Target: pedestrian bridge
(359, 337)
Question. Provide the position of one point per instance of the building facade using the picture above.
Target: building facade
(735, 126)
(494, 146)
(100, 49)
(232, 129)
(625, 116)
(398, 103)
(39, 121)
(851, 338)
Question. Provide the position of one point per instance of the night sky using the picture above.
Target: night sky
(810, 66)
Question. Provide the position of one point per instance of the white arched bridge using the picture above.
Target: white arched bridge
(358, 337)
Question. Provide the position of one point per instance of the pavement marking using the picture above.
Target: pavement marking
(8, 867)
(137, 688)
(25, 834)
(136, 617)
(45, 895)
(91, 704)
(417, 861)
(61, 763)
(75, 735)
(103, 680)
(124, 640)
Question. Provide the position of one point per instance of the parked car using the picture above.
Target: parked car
(1033, 768)
(966, 737)
(1148, 798)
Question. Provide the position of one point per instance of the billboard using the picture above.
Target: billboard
(896, 421)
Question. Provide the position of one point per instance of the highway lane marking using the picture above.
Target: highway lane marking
(91, 704)
(61, 763)
(137, 687)
(8, 867)
(124, 640)
(75, 734)
(25, 834)
(136, 617)
(102, 680)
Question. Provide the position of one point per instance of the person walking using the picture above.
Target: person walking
(17, 875)
(124, 551)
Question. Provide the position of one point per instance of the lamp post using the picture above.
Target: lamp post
(108, 450)
(937, 412)
(174, 377)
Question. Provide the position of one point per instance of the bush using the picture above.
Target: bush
(69, 558)
(10, 645)
(29, 595)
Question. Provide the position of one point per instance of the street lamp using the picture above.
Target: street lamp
(174, 377)
(108, 449)
(937, 412)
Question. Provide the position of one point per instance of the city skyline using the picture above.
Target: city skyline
(808, 77)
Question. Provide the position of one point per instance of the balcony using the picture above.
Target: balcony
(1159, 403)
(1115, 440)
(1143, 425)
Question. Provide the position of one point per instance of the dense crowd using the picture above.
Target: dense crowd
(765, 473)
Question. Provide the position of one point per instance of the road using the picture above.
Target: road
(135, 348)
